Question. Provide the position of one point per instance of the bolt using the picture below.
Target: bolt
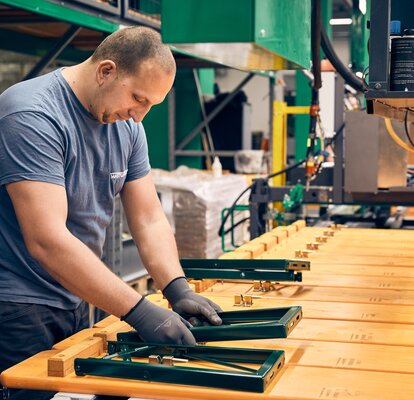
(377, 86)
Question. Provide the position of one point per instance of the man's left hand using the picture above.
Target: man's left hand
(190, 305)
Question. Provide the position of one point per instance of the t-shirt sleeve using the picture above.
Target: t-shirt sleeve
(138, 164)
(31, 148)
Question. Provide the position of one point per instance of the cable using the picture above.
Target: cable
(231, 209)
(236, 225)
(343, 70)
(395, 137)
(407, 132)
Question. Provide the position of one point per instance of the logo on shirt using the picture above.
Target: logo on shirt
(117, 175)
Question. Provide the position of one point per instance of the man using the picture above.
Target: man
(70, 141)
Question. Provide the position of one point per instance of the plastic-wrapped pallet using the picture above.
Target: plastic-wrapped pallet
(193, 201)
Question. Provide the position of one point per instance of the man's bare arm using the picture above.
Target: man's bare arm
(151, 231)
(41, 210)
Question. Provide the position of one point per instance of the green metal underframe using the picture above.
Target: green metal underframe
(265, 270)
(268, 323)
(63, 13)
(249, 379)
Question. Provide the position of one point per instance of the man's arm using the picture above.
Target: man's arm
(151, 231)
(156, 244)
(41, 210)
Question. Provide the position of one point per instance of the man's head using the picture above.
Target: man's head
(133, 71)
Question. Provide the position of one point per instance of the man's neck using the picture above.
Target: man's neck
(75, 77)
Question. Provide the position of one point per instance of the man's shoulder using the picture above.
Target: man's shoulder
(34, 95)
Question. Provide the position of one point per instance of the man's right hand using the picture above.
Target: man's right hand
(158, 325)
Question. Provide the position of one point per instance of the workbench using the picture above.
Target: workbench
(356, 338)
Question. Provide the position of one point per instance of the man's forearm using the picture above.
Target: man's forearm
(158, 250)
(78, 269)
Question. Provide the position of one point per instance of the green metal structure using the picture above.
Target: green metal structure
(263, 34)
(235, 377)
(259, 270)
(62, 13)
(268, 323)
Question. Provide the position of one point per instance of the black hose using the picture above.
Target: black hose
(316, 43)
(350, 78)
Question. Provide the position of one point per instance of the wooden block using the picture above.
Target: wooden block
(300, 224)
(268, 240)
(236, 255)
(110, 332)
(200, 285)
(255, 249)
(291, 229)
(61, 364)
(280, 235)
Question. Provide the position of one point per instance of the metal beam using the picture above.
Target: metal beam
(64, 13)
(59, 46)
(213, 114)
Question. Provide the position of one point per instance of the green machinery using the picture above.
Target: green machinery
(262, 34)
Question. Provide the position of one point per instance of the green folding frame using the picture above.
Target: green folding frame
(234, 376)
(243, 325)
(264, 270)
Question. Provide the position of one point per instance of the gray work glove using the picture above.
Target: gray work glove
(158, 325)
(190, 305)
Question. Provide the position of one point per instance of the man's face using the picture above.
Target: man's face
(121, 96)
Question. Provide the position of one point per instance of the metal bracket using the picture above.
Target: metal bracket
(235, 376)
(264, 270)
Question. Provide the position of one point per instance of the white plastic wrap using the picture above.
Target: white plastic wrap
(192, 201)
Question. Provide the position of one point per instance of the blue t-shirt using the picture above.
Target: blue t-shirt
(47, 135)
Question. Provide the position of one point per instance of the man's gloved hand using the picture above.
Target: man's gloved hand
(158, 325)
(190, 305)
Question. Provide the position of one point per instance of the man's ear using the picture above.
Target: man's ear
(106, 71)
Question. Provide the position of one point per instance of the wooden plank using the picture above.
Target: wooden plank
(61, 364)
(338, 384)
(345, 249)
(294, 383)
(74, 339)
(395, 314)
(362, 270)
(352, 356)
(106, 321)
(321, 293)
(354, 332)
(286, 252)
(365, 282)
